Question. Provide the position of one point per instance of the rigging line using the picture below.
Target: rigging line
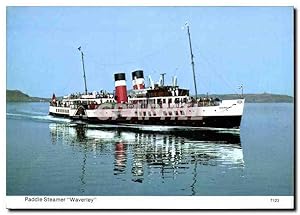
(172, 72)
(230, 86)
(204, 83)
(109, 64)
(153, 53)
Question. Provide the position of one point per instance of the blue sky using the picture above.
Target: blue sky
(252, 46)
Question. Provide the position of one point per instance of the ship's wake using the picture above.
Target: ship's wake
(30, 116)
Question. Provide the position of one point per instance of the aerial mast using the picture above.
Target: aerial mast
(192, 58)
(85, 88)
(163, 78)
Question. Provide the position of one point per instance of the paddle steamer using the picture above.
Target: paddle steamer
(156, 104)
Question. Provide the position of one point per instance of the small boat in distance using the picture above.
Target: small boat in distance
(156, 104)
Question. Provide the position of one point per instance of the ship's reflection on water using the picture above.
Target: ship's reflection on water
(139, 153)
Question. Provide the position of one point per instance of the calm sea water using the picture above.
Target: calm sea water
(50, 156)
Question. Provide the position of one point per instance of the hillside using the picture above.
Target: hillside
(258, 98)
(18, 96)
(271, 98)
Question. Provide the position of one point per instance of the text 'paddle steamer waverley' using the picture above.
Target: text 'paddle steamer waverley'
(157, 104)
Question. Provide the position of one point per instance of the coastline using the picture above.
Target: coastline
(19, 96)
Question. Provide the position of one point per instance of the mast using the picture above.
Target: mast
(82, 60)
(192, 59)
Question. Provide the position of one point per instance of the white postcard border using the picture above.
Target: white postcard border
(150, 202)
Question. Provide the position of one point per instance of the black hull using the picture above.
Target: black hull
(214, 122)
(59, 115)
(211, 121)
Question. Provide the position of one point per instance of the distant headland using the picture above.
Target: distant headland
(18, 96)
(257, 97)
